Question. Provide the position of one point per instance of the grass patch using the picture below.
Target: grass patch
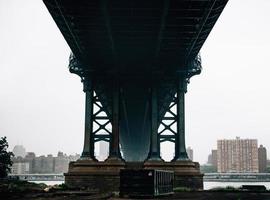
(182, 189)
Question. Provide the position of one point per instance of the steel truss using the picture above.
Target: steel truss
(169, 120)
(102, 130)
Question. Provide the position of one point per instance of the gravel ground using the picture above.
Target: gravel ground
(75, 195)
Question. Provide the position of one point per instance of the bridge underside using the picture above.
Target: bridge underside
(135, 59)
(135, 36)
(141, 45)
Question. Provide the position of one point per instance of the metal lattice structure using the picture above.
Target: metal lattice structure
(101, 121)
(166, 130)
(138, 56)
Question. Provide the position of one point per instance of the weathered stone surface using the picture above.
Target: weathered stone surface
(99, 176)
(104, 176)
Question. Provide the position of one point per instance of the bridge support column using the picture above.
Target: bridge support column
(180, 145)
(114, 152)
(154, 153)
(85, 172)
(186, 172)
(88, 147)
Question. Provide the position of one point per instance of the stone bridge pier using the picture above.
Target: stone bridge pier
(104, 175)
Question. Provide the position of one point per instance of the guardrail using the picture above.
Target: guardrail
(37, 177)
(146, 182)
(237, 177)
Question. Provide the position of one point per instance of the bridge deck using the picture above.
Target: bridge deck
(135, 36)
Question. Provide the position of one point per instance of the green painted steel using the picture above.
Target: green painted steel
(151, 50)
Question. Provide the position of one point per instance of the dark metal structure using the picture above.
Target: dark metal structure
(135, 58)
(146, 183)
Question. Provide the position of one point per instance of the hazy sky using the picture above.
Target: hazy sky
(42, 104)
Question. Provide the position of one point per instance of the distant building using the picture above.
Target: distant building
(49, 164)
(20, 168)
(74, 157)
(103, 151)
(262, 157)
(237, 155)
(209, 159)
(30, 157)
(19, 151)
(39, 165)
(61, 163)
(42, 164)
(214, 158)
(190, 153)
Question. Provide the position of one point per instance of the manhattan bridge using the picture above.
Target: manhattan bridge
(135, 59)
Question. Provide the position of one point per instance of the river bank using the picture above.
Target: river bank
(194, 195)
(17, 190)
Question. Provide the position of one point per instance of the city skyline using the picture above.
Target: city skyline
(100, 149)
(32, 164)
(42, 104)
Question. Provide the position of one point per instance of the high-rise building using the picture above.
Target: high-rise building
(190, 153)
(49, 164)
(19, 151)
(262, 156)
(20, 166)
(237, 155)
(209, 159)
(30, 157)
(61, 163)
(214, 158)
(39, 166)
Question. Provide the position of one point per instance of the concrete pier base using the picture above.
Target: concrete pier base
(104, 176)
(97, 176)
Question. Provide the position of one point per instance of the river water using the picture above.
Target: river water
(207, 185)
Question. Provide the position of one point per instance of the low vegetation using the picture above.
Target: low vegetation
(5, 158)
(18, 186)
(225, 189)
(182, 189)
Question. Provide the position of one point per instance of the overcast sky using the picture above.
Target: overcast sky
(42, 104)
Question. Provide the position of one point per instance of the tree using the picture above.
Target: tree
(5, 158)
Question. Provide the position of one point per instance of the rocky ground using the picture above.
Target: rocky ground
(205, 195)
(20, 190)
